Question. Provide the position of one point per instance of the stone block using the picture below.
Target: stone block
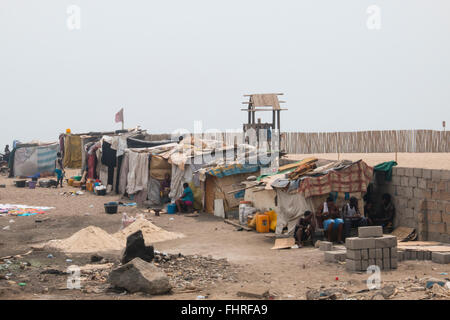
(371, 262)
(353, 265)
(441, 257)
(387, 264)
(421, 183)
(426, 173)
(393, 252)
(379, 263)
(400, 171)
(370, 232)
(400, 255)
(412, 181)
(386, 241)
(417, 173)
(396, 181)
(365, 254)
(435, 216)
(360, 243)
(364, 264)
(436, 228)
(409, 172)
(326, 246)
(436, 175)
(410, 255)
(379, 253)
(335, 256)
(404, 181)
(386, 253)
(427, 255)
(420, 255)
(372, 254)
(354, 254)
(394, 263)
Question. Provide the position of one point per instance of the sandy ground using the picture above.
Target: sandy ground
(409, 160)
(287, 274)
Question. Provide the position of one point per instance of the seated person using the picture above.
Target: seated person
(352, 216)
(385, 215)
(165, 188)
(304, 229)
(328, 212)
(186, 200)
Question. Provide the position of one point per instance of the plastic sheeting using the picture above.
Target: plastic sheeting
(292, 207)
(29, 161)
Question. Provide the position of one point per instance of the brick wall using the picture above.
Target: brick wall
(422, 200)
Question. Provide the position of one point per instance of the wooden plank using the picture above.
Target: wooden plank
(237, 225)
(283, 243)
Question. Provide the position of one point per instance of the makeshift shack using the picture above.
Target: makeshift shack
(33, 159)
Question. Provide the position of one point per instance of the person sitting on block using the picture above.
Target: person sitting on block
(186, 200)
(328, 212)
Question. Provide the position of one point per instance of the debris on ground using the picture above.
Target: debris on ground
(136, 248)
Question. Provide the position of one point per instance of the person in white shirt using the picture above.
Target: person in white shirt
(352, 216)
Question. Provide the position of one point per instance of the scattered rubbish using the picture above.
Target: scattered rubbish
(443, 273)
(261, 294)
(54, 272)
(201, 297)
(11, 221)
(91, 206)
(22, 284)
(136, 248)
(171, 219)
(68, 260)
(431, 283)
(50, 256)
(6, 228)
(21, 210)
(96, 258)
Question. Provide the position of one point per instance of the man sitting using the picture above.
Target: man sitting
(385, 215)
(186, 200)
(352, 216)
(303, 229)
(328, 212)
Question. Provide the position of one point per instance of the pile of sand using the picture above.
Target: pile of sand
(151, 233)
(93, 239)
(87, 240)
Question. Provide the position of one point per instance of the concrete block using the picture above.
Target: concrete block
(404, 181)
(360, 243)
(421, 183)
(400, 171)
(371, 262)
(393, 252)
(440, 257)
(419, 255)
(379, 253)
(364, 264)
(335, 256)
(372, 254)
(354, 254)
(386, 253)
(426, 173)
(418, 172)
(353, 265)
(436, 175)
(410, 255)
(427, 255)
(386, 264)
(365, 254)
(387, 241)
(370, 232)
(409, 172)
(436, 228)
(379, 262)
(412, 181)
(326, 246)
(394, 263)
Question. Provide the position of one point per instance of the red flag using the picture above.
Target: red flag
(119, 116)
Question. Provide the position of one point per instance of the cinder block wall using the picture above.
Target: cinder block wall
(422, 200)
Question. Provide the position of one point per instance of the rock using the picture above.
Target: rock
(140, 276)
(136, 248)
(260, 294)
(388, 291)
(378, 296)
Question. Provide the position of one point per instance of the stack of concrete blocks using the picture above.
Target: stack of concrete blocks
(371, 247)
(441, 257)
(413, 254)
(422, 200)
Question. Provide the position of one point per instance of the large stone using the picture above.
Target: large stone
(370, 232)
(140, 276)
(136, 248)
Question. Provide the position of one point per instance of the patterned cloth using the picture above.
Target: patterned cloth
(354, 178)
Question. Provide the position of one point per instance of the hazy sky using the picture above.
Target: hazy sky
(169, 63)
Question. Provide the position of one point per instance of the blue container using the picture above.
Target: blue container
(171, 208)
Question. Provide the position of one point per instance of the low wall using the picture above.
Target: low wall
(422, 200)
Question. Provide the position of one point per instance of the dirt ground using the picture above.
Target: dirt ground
(253, 266)
(408, 160)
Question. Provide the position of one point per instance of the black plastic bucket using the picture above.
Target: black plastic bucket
(20, 183)
(111, 208)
